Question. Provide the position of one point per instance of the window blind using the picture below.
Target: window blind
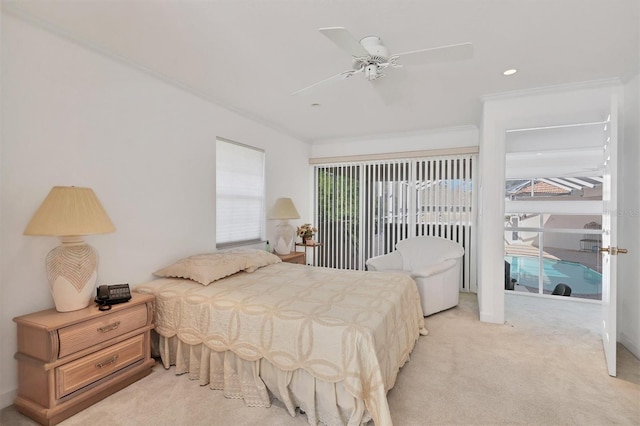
(364, 208)
(239, 193)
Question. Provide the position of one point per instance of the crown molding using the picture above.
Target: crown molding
(545, 90)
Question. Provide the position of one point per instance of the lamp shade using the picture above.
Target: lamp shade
(284, 209)
(70, 211)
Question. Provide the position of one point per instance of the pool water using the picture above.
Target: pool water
(584, 281)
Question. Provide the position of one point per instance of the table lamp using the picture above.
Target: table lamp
(285, 232)
(71, 212)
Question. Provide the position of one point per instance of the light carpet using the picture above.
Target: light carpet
(545, 366)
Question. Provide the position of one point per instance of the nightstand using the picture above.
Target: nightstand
(68, 361)
(293, 257)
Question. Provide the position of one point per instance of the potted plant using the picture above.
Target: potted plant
(306, 232)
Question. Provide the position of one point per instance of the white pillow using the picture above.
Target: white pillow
(209, 267)
(204, 268)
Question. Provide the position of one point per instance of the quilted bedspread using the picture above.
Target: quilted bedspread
(351, 326)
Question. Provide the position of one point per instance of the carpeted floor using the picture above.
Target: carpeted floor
(545, 366)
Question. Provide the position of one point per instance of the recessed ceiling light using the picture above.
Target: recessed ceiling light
(511, 71)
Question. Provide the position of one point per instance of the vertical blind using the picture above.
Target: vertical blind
(364, 208)
(239, 193)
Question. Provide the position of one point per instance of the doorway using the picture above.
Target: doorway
(554, 215)
(544, 109)
(553, 210)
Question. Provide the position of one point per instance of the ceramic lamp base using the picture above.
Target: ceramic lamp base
(72, 272)
(285, 234)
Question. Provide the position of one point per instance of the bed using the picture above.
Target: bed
(329, 342)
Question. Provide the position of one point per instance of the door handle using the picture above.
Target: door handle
(613, 250)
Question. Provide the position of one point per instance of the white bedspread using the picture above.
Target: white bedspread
(353, 327)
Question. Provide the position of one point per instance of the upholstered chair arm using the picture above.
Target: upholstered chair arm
(391, 261)
(434, 269)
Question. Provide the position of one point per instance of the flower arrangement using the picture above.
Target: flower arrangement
(306, 231)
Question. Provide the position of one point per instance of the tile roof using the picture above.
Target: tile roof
(543, 188)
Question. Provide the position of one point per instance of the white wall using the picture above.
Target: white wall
(490, 221)
(455, 137)
(74, 117)
(629, 222)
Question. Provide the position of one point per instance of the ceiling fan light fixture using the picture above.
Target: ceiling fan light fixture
(510, 71)
(371, 57)
(371, 71)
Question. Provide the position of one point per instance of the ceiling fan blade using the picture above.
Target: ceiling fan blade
(453, 52)
(388, 88)
(343, 75)
(345, 41)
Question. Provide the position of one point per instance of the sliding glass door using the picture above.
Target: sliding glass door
(363, 209)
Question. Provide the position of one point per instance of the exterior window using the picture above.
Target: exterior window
(543, 250)
(240, 192)
(566, 188)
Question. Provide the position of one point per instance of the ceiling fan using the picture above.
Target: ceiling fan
(371, 57)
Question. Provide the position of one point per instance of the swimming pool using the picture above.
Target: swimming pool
(584, 282)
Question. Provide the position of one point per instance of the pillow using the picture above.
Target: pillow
(255, 258)
(205, 268)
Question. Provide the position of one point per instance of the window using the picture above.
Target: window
(239, 194)
(552, 235)
(565, 188)
(552, 249)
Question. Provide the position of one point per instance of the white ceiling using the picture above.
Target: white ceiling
(250, 56)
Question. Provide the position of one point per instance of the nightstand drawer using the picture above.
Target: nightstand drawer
(81, 336)
(84, 371)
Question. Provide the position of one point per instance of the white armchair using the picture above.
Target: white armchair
(434, 263)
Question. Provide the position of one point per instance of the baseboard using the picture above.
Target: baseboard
(490, 317)
(631, 346)
(7, 398)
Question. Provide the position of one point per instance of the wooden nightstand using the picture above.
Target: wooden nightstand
(68, 361)
(294, 257)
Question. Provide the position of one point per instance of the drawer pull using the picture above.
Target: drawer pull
(109, 327)
(105, 363)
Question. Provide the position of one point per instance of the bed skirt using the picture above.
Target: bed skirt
(256, 382)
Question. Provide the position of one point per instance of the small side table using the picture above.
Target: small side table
(313, 247)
